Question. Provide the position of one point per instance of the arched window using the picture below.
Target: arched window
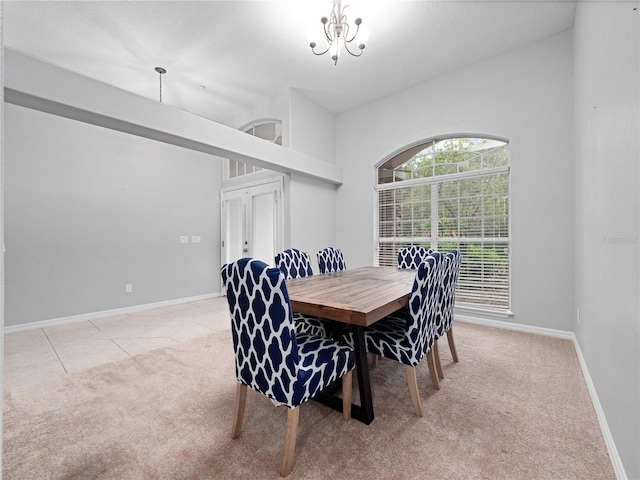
(451, 193)
(269, 130)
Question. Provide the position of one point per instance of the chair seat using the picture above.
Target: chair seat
(387, 338)
(309, 325)
(322, 362)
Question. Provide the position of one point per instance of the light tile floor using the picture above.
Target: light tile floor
(45, 354)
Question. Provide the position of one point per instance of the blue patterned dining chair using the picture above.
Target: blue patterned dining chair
(294, 264)
(446, 301)
(407, 340)
(331, 260)
(411, 257)
(270, 358)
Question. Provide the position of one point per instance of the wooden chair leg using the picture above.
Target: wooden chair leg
(374, 361)
(347, 391)
(293, 415)
(432, 369)
(452, 344)
(436, 354)
(241, 399)
(413, 390)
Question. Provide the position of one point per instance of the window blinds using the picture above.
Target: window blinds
(464, 212)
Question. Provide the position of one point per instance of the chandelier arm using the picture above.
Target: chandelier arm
(330, 30)
(346, 47)
(327, 35)
(346, 32)
(321, 53)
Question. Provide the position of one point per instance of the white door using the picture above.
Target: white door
(252, 222)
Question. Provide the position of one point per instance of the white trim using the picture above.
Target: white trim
(441, 178)
(105, 313)
(616, 462)
(548, 332)
(251, 180)
(467, 309)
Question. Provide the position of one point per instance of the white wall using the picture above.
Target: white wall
(89, 210)
(309, 204)
(2, 303)
(273, 108)
(312, 203)
(607, 155)
(523, 96)
(312, 128)
(313, 222)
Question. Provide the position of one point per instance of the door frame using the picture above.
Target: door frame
(246, 190)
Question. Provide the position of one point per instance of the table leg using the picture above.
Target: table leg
(364, 411)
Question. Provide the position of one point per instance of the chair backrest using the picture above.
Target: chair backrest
(448, 291)
(331, 260)
(411, 257)
(264, 337)
(294, 263)
(423, 302)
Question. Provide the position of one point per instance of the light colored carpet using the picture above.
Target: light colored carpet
(515, 407)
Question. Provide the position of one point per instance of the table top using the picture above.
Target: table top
(359, 296)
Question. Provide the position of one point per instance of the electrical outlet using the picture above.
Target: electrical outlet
(184, 239)
(196, 239)
(128, 288)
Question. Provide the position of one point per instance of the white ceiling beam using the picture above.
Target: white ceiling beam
(41, 86)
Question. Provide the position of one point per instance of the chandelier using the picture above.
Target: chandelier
(337, 30)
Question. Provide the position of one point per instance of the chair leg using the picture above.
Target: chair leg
(413, 390)
(347, 391)
(432, 369)
(293, 415)
(452, 344)
(241, 399)
(374, 361)
(436, 354)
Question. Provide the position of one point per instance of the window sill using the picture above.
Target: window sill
(480, 311)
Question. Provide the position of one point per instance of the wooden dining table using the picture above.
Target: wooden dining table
(358, 297)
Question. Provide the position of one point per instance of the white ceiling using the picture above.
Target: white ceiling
(245, 51)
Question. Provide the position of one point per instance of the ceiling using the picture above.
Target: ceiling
(222, 57)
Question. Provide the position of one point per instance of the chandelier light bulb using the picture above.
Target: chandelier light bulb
(334, 50)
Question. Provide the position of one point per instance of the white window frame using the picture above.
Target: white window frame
(485, 309)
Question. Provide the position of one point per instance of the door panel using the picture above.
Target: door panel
(263, 208)
(235, 227)
(252, 222)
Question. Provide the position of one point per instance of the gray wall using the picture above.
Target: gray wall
(89, 210)
(312, 202)
(607, 236)
(523, 96)
(309, 203)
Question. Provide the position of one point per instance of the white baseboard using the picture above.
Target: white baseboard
(105, 313)
(618, 468)
(548, 332)
(616, 462)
